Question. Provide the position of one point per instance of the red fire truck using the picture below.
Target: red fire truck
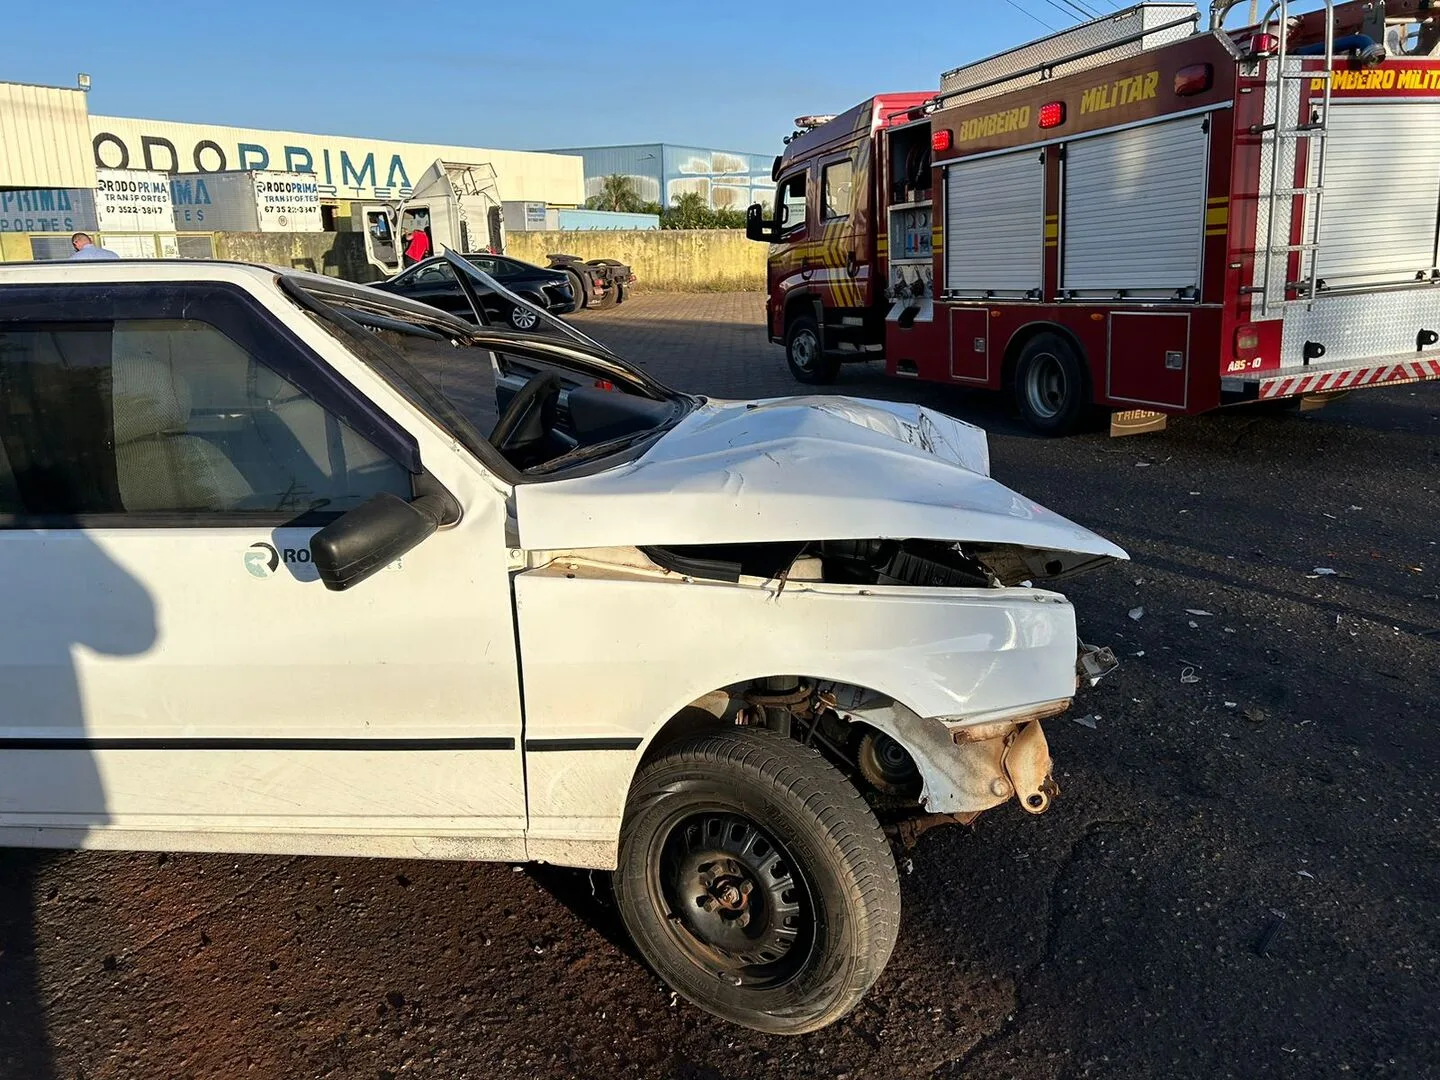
(1137, 213)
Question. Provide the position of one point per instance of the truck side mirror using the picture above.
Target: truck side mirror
(373, 535)
(756, 225)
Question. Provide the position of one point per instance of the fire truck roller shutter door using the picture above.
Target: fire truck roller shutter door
(1382, 188)
(1135, 209)
(995, 224)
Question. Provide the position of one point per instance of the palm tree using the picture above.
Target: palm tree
(616, 193)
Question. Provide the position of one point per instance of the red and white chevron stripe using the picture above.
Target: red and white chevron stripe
(1351, 378)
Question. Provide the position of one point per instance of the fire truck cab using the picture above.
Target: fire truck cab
(1136, 213)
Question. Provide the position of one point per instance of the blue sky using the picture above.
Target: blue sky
(524, 75)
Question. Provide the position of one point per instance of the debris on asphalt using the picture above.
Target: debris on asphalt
(1199, 611)
(1086, 721)
(1267, 937)
(1323, 571)
(1231, 704)
(1254, 715)
(1137, 613)
(1306, 874)
(1188, 675)
(1193, 625)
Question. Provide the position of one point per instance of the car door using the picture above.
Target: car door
(172, 671)
(435, 284)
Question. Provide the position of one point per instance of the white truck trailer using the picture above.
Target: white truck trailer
(249, 201)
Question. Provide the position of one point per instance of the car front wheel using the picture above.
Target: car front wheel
(756, 881)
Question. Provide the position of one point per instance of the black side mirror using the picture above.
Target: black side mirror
(756, 227)
(373, 535)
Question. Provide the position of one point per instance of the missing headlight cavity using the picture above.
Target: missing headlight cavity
(929, 563)
(941, 564)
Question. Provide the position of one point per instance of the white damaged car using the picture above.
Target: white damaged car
(308, 568)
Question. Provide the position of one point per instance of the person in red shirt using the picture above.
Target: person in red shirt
(417, 247)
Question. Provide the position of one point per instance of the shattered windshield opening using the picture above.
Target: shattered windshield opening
(422, 354)
(544, 405)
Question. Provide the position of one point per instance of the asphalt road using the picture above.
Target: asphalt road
(1276, 754)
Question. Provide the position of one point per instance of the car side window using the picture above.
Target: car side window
(437, 274)
(836, 187)
(790, 204)
(137, 416)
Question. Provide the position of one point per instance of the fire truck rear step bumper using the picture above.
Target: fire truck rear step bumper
(1329, 378)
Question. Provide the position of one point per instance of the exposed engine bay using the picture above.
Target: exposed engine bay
(925, 563)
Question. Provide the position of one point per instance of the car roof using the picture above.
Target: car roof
(100, 270)
(257, 276)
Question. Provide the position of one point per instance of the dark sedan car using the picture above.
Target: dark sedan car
(432, 282)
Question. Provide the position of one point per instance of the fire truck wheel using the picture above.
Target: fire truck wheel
(1050, 385)
(807, 360)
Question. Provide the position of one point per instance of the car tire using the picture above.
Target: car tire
(805, 354)
(521, 318)
(755, 880)
(1051, 390)
(608, 297)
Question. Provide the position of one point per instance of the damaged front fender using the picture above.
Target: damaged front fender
(968, 768)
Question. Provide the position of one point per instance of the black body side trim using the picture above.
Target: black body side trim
(162, 743)
(541, 745)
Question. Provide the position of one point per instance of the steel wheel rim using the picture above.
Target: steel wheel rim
(1047, 387)
(805, 348)
(733, 901)
(523, 318)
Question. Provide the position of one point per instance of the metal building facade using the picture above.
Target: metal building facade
(345, 167)
(44, 138)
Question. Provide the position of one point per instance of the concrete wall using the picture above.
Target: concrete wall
(334, 254)
(671, 260)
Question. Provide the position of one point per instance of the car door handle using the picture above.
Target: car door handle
(805, 269)
(852, 267)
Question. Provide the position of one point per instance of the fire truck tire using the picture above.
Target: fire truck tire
(807, 360)
(1050, 387)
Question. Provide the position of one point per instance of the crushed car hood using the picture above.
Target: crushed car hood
(799, 469)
